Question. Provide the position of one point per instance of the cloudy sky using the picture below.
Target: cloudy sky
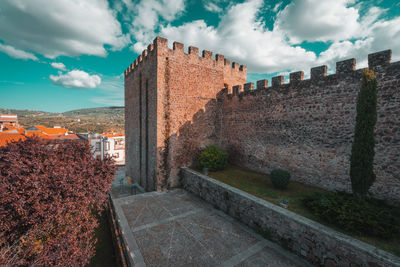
(69, 54)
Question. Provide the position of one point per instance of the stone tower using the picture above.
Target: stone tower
(171, 109)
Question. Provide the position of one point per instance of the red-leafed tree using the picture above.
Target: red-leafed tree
(49, 195)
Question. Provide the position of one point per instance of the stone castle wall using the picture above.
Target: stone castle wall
(141, 119)
(182, 108)
(187, 87)
(307, 126)
(175, 106)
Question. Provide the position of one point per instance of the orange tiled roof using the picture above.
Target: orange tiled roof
(6, 138)
(43, 133)
(36, 133)
(52, 131)
(113, 134)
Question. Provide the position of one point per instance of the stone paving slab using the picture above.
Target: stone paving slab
(176, 228)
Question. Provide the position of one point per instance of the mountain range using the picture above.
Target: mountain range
(93, 120)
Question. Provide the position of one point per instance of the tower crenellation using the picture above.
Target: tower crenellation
(296, 77)
(320, 74)
(346, 66)
(277, 80)
(248, 87)
(262, 84)
(178, 48)
(378, 59)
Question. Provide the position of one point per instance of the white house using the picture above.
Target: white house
(112, 144)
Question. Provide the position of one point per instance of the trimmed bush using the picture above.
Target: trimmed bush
(280, 178)
(357, 215)
(213, 158)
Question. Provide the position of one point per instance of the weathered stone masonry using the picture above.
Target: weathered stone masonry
(305, 126)
(182, 109)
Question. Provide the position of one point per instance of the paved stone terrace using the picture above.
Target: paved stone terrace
(176, 228)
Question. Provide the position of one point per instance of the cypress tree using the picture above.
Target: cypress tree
(362, 152)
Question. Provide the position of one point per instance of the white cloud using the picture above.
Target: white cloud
(344, 50)
(318, 20)
(242, 37)
(277, 6)
(58, 65)
(146, 18)
(386, 34)
(382, 35)
(16, 53)
(109, 100)
(76, 79)
(111, 91)
(62, 27)
(210, 6)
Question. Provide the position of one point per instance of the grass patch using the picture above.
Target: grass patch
(260, 186)
(105, 252)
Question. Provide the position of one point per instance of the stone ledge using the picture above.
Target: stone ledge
(129, 246)
(315, 242)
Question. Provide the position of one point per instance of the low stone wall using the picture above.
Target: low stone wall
(117, 242)
(119, 224)
(318, 244)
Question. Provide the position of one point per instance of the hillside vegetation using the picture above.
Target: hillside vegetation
(94, 120)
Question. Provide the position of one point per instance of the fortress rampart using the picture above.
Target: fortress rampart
(305, 126)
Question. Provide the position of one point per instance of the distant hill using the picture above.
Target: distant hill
(25, 112)
(95, 120)
(97, 112)
(109, 114)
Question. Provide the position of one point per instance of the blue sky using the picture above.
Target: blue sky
(70, 54)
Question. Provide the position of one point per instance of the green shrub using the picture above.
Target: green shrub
(213, 158)
(362, 151)
(357, 215)
(280, 178)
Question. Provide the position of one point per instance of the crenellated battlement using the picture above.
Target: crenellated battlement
(307, 125)
(161, 44)
(317, 74)
(143, 57)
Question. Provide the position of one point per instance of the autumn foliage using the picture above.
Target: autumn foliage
(50, 194)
